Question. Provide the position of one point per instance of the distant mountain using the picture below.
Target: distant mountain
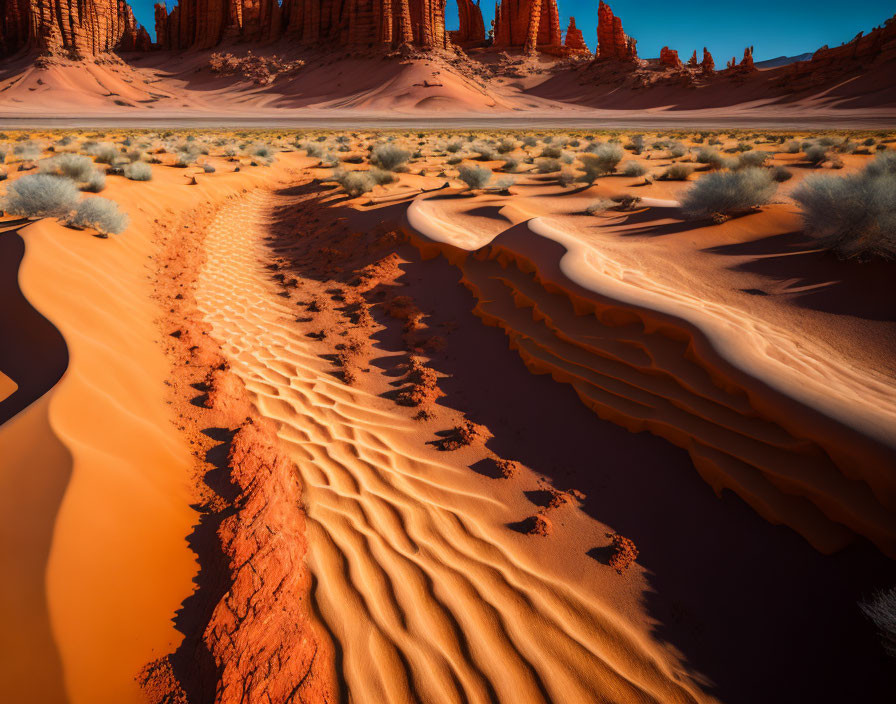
(783, 61)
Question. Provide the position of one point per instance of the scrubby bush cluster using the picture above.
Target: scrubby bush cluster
(728, 193)
(855, 215)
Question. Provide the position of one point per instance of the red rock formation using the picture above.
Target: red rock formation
(574, 43)
(746, 63)
(203, 24)
(669, 57)
(14, 25)
(133, 37)
(708, 65)
(612, 42)
(76, 29)
(472, 28)
(530, 24)
(692, 62)
(864, 52)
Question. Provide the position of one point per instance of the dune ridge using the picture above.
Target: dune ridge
(805, 443)
(425, 592)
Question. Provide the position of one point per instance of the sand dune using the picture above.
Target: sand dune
(802, 434)
(427, 594)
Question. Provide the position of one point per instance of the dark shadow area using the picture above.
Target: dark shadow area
(750, 605)
(792, 260)
(33, 352)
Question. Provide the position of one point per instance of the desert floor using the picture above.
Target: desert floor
(539, 441)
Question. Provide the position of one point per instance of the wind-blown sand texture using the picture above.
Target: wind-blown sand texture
(270, 451)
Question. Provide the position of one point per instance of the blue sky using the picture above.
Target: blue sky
(774, 27)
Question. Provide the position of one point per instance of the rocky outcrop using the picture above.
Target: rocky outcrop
(14, 25)
(708, 65)
(203, 24)
(745, 66)
(669, 58)
(76, 29)
(574, 42)
(612, 42)
(865, 51)
(531, 24)
(472, 27)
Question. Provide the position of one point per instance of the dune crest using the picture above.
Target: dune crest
(804, 438)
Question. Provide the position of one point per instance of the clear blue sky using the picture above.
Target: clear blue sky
(774, 27)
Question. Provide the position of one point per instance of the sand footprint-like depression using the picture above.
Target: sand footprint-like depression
(426, 594)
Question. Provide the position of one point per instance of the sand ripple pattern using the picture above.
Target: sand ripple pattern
(425, 600)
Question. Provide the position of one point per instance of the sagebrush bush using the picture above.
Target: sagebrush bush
(781, 174)
(881, 609)
(474, 176)
(103, 153)
(510, 164)
(40, 196)
(677, 172)
(728, 193)
(381, 177)
(547, 166)
(752, 159)
(855, 215)
(95, 182)
(354, 183)
(388, 156)
(484, 151)
(208, 168)
(27, 151)
(633, 169)
(816, 154)
(138, 171)
(74, 166)
(101, 214)
(551, 152)
(600, 161)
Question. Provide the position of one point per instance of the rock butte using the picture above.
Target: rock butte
(89, 28)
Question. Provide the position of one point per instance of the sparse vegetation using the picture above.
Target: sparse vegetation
(854, 215)
(474, 176)
(101, 214)
(725, 193)
(138, 171)
(677, 172)
(389, 156)
(40, 196)
(881, 609)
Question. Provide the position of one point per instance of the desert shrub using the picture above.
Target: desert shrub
(381, 177)
(781, 174)
(103, 153)
(599, 206)
(101, 214)
(452, 160)
(551, 152)
(677, 172)
(882, 165)
(752, 159)
(454, 147)
(388, 156)
(547, 166)
(138, 171)
(40, 196)
(27, 151)
(95, 182)
(676, 150)
(208, 168)
(634, 168)
(474, 176)
(354, 183)
(853, 216)
(3, 175)
(510, 164)
(710, 157)
(728, 192)
(793, 147)
(566, 177)
(484, 151)
(816, 154)
(74, 166)
(529, 141)
(881, 609)
(506, 145)
(602, 160)
(500, 184)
